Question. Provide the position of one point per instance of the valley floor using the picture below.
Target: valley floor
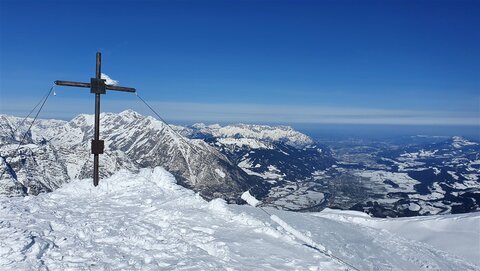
(146, 221)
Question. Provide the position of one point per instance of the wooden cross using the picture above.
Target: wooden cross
(97, 86)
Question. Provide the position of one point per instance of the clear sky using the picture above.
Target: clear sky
(360, 62)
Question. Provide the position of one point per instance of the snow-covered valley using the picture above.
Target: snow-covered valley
(145, 221)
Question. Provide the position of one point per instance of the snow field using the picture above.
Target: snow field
(145, 221)
(141, 222)
(458, 234)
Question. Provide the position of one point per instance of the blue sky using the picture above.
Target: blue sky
(358, 62)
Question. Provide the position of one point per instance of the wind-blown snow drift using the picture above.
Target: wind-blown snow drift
(146, 221)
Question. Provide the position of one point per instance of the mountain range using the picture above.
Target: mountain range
(282, 167)
(56, 150)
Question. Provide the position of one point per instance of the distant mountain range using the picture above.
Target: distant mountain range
(282, 167)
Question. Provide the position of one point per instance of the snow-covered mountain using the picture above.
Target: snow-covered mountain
(35, 168)
(286, 160)
(282, 167)
(254, 135)
(217, 161)
(145, 221)
(274, 153)
(58, 151)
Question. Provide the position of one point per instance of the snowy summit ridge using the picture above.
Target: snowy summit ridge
(145, 221)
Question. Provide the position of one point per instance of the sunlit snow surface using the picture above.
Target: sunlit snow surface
(145, 221)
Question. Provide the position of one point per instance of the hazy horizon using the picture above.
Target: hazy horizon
(323, 131)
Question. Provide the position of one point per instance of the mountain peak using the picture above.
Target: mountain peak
(129, 112)
(284, 134)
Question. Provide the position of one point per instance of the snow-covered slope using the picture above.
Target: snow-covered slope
(144, 221)
(34, 168)
(13, 128)
(458, 234)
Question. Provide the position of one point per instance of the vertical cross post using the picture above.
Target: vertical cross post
(97, 86)
(96, 152)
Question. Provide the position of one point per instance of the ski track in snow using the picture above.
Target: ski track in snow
(146, 221)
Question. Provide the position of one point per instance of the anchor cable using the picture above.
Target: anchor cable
(30, 127)
(166, 123)
(313, 247)
(44, 100)
(31, 111)
(263, 209)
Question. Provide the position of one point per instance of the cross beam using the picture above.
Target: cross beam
(97, 86)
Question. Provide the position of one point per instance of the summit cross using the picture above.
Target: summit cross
(97, 86)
